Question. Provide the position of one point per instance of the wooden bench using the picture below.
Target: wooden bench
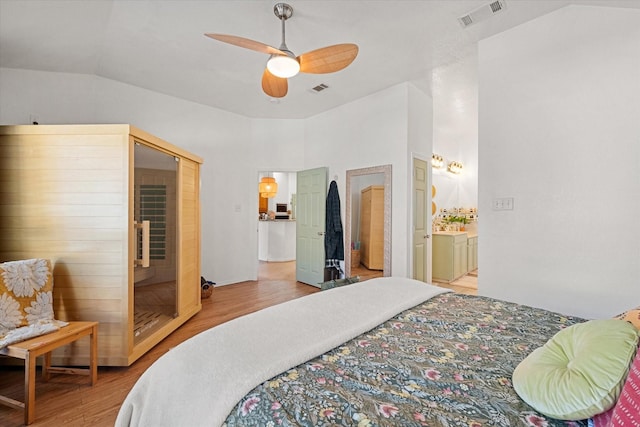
(30, 349)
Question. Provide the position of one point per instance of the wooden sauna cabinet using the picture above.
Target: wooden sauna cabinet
(372, 227)
(68, 195)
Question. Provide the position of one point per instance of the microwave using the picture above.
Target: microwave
(281, 207)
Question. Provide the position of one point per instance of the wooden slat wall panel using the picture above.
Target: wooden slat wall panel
(78, 198)
(53, 212)
(66, 195)
(189, 294)
(101, 292)
(103, 181)
(22, 249)
(64, 233)
(11, 222)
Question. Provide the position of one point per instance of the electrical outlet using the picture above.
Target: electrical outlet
(502, 204)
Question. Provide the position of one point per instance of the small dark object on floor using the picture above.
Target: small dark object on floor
(206, 287)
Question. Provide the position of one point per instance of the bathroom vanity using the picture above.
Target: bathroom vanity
(455, 253)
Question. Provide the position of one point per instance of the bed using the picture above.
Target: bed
(387, 351)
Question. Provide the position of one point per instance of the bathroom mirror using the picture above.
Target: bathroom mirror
(448, 189)
(357, 180)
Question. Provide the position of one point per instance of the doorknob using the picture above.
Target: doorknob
(320, 233)
(427, 236)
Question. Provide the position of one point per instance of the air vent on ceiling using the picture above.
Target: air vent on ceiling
(319, 88)
(482, 13)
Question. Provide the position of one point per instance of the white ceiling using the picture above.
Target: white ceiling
(159, 45)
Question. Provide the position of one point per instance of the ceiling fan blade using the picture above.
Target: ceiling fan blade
(328, 59)
(273, 86)
(246, 43)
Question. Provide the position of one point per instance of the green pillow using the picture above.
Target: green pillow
(580, 371)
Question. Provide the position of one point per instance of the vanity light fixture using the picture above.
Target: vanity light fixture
(455, 167)
(267, 187)
(437, 161)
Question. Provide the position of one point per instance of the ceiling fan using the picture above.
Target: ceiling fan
(283, 64)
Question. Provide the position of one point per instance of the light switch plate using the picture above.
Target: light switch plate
(502, 204)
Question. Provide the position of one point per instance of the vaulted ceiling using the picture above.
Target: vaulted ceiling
(160, 45)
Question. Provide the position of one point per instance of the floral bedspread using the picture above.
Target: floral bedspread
(445, 362)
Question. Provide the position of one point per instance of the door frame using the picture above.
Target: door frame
(256, 207)
(386, 170)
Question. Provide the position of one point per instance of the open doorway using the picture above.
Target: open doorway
(455, 231)
(277, 227)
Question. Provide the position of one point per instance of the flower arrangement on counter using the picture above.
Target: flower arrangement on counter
(454, 219)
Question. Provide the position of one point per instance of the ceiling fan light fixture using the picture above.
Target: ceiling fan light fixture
(282, 63)
(283, 66)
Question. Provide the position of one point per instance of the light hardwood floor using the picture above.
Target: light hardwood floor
(69, 401)
(465, 285)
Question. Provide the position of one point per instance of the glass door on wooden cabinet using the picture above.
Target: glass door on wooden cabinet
(155, 218)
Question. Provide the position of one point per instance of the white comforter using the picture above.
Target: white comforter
(198, 382)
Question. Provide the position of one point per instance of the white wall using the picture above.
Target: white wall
(53, 97)
(368, 132)
(215, 135)
(455, 131)
(275, 145)
(373, 131)
(559, 132)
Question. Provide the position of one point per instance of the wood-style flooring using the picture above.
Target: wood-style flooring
(67, 400)
(465, 285)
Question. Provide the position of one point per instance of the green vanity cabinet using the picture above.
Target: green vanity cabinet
(449, 255)
(472, 253)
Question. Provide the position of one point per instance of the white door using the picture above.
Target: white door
(311, 196)
(421, 224)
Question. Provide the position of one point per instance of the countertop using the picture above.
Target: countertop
(457, 233)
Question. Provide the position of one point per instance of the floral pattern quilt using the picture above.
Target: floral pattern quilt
(446, 362)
